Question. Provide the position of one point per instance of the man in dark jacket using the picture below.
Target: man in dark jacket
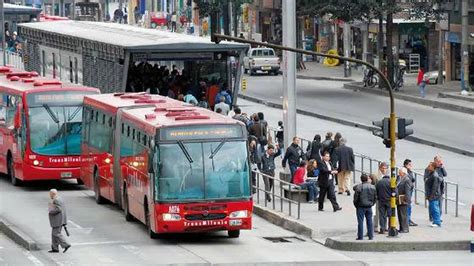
(293, 155)
(383, 197)
(254, 160)
(326, 183)
(434, 193)
(404, 199)
(268, 168)
(259, 130)
(408, 164)
(345, 156)
(364, 199)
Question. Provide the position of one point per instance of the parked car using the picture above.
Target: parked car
(262, 59)
(159, 19)
(432, 77)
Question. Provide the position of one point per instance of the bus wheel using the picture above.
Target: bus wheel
(152, 234)
(98, 198)
(233, 233)
(11, 172)
(80, 182)
(126, 210)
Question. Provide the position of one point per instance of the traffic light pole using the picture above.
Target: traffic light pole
(393, 180)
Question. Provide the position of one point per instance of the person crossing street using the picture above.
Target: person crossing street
(57, 219)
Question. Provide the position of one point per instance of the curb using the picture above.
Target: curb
(325, 78)
(394, 246)
(455, 96)
(413, 99)
(359, 125)
(18, 236)
(280, 220)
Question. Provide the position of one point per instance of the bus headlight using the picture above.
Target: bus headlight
(239, 214)
(36, 162)
(107, 160)
(171, 217)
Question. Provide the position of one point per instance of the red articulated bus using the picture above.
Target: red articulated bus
(40, 126)
(174, 167)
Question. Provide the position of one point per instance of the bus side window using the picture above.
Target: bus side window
(102, 134)
(11, 109)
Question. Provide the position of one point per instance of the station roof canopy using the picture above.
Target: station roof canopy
(131, 38)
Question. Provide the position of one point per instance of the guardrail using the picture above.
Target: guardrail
(12, 59)
(280, 185)
(368, 165)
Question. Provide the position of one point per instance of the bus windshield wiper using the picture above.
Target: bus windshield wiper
(217, 149)
(51, 113)
(73, 115)
(185, 151)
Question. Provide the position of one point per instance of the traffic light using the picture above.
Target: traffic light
(384, 131)
(403, 131)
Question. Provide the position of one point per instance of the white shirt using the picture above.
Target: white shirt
(330, 169)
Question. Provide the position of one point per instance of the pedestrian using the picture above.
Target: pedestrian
(254, 161)
(313, 151)
(442, 173)
(327, 144)
(364, 199)
(223, 93)
(433, 193)
(335, 145)
(223, 106)
(189, 98)
(174, 20)
(57, 219)
(326, 183)
(293, 155)
(203, 103)
(381, 173)
(239, 116)
(303, 182)
(312, 172)
(279, 135)
(404, 188)
(268, 168)
(384, 192)
(408, 164)
(346, 161)
(259, 130)
(421, 82)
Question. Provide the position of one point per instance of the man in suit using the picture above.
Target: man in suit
(404, 199)
(345, 156)
(57, 219)
(326, 183)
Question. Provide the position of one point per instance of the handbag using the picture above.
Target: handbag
(402, 199)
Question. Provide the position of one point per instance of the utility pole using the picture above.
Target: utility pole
(464, 46)
(289, 71)
(347, 49)
(440, 55)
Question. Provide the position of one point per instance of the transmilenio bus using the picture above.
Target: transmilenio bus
(40, 126)
(177, 168)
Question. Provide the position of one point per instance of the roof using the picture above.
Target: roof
(155, 111)
(19, 81)
(131, 37)
(14, 9)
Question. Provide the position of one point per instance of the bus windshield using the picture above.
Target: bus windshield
(55, 130)
(203, 171)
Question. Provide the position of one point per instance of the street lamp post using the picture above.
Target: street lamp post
(393, 180)
(2, 28)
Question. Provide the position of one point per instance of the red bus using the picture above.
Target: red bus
(40, 126)
(179, 168)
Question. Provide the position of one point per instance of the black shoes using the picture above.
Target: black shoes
(413, 223)
(340, 193)
(53, 251)
(403, 231)
(338, 209)
(381, 232)
(66, 248)
(348, 193)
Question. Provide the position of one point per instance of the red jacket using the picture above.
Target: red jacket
(298, 178)
(421, 75)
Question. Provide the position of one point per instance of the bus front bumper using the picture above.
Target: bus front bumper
(31, 172)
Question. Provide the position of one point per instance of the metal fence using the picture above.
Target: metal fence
(281, 186)
(368, 165)
(12, 59)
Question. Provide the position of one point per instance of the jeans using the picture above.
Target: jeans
(435, 211)
(367, 213)
(312, 189)
(409, 212)
(422, 89)
(293, 168)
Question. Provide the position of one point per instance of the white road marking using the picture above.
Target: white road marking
(32, 258)
(74, 224)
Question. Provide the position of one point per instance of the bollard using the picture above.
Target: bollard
(273, 193)
(257, 176)
(445, 197)
(416, 188)
(281, 198)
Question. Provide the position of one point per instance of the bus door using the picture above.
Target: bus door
(117, 168)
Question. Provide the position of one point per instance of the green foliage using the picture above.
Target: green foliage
(207, 7)
(429, 10)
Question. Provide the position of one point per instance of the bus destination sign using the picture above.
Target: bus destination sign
(202, 132)
(57, 97)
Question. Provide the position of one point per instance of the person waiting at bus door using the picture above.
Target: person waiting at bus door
(225, 94)
(223, 106)
(211, 94)
(189, 98)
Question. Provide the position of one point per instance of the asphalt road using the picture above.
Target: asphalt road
(329, 98)
(100, 235)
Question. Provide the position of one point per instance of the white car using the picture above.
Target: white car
(262, 59)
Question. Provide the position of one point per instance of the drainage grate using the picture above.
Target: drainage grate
(281, 239)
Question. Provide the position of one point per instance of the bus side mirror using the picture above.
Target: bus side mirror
(17, 118)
